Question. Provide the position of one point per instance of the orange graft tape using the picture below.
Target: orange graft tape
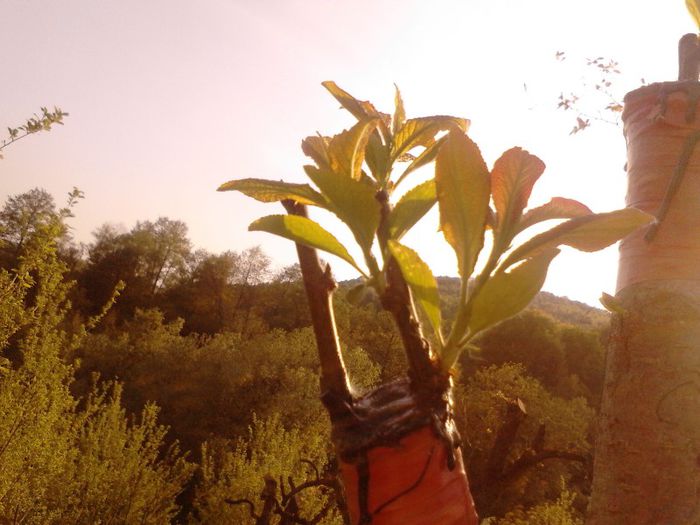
(660, 121)
(410, 484)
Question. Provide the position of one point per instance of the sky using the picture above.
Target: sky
(170, 98)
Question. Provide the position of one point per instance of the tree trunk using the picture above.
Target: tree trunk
(647, 463)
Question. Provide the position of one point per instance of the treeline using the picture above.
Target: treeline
(144, 381)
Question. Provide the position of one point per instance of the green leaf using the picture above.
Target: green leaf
(512, 178)
(377, 156)
(588, 233)
(557, 208)
(411, 208)
(352, 201)
(399, 112)
(421, 282)
(421, 132)
(463, 191)
(360, 109)
(303, 231)
(426, 157)
(346, 151)
(316, 147)
(694, 10)
(611, 304)
(507, 293)
(272, 191)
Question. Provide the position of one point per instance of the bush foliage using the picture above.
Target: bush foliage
(201, 383)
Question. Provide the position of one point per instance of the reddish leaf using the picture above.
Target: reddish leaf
(512, 179)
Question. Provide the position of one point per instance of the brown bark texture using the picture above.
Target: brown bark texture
(647, 462)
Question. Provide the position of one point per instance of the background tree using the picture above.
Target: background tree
(62, 461)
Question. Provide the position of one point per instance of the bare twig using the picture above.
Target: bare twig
(286, 506)
(244, 501)
(530, 459)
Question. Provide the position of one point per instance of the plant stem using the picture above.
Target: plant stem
(397, 300)
(319, 284)
(458, 335)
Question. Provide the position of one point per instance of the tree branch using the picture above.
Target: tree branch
(319, 285)
(515, 415)
(529, 460)
(244, 501)
(423, 371)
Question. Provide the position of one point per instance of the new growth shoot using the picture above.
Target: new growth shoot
(354, 176)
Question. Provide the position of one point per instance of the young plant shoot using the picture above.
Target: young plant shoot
(355, 175)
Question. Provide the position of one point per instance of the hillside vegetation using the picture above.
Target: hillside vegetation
(145, 381)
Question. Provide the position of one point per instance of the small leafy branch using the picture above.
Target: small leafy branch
(35, 124)
(355, 176)
(601, 103)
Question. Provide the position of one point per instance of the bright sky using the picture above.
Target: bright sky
(170, 98)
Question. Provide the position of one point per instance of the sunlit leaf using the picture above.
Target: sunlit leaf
(360, 109)
(411, 208)
(399, 112)
(376, 155)
(507, 293)
(426, 157)
(611, 304)
(512, 178)
(346, 151)
(694, 10)
(271, 191)
(316, 147)
(588, 233)
(353, 201)
(303, 231)
(463, 190)
(421, 132)
(557, 208)
(421, 282)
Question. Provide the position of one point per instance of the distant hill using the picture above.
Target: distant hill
(568, 311)
(562, 309)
